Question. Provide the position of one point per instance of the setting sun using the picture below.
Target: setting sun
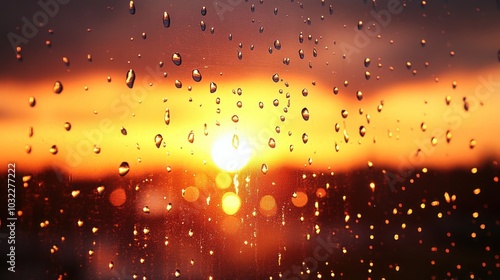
(231, 152)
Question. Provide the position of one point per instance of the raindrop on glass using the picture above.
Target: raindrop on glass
(166, 19)
(359, 95)
(213, 87)
(276, 78)
(277, 44)
(67, 126)
(58, 87)
(272, 143)
(158, 140)
(472, 143)
(177, 59)
(235, 118)
(65, 61)
(167, 116)
(305, 114)
(360, 25)
(32, 101)
(130, 78)
(264, 168)
(191, 137)
(123, 131)
(305, 92)
(305, 138)
(434, 141)
(423, 126)
(301, 54)
(362, 131)
(346, 136)
(196, 75)
(367, 62)
(132, 8)
(123, 169)
(53, 150)
(203, 10)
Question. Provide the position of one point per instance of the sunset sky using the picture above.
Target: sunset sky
(410, 77)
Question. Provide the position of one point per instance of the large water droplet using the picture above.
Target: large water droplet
(196, 75)
(344, 114)
(65, 60)
(277, 44)
(53, 150)
(235, 118)
(434, 141)
(362, 131)
(166, 19)
(32, 101)
(132, 8)
(130, 78)
(360, 25)
(305, 114)
(276, 78)
(301, 54)
(177, 59)
(213, 87)
(472, 143)
(67, 126)
(305, 138)
(178, 84)
(272, 143)
(423, 126)
(167, 116)
(191, 137)
(177, 273)
(305, 92)
(367, 62)
(123, 169)
(203, 25)
(359, 95)
(264, 168)
(203, 10)
(58, 87)
(158, 140)
(123, 130)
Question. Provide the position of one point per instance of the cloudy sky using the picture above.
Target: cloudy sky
(419, 56)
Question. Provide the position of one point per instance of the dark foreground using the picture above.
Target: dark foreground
(433, 225)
